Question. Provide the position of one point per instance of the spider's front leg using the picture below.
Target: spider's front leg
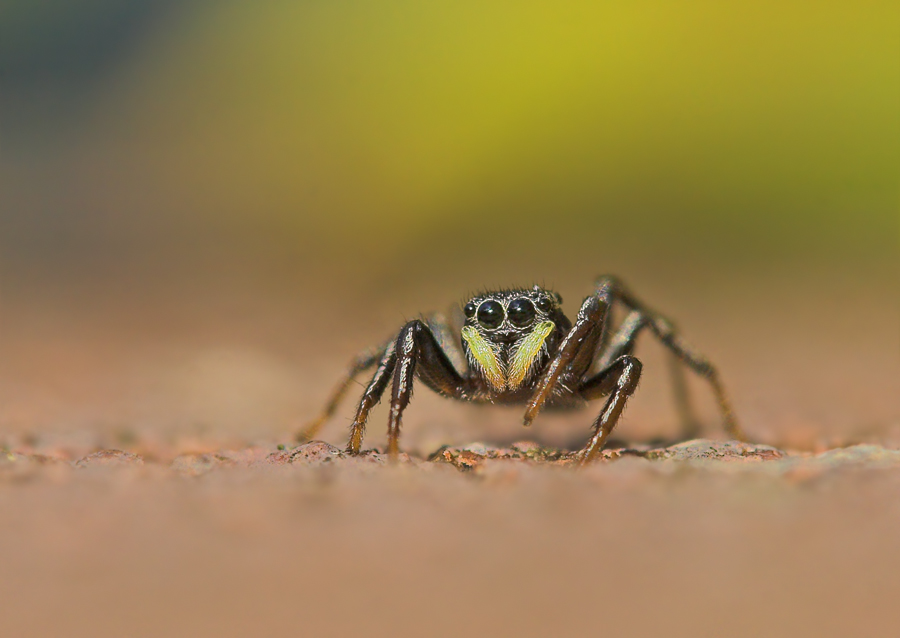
(576, 351)
(415, 353)
(619, 371)
(574, 358)
(681, 351)
(619, 381)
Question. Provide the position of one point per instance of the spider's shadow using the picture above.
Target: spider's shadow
(575, 442)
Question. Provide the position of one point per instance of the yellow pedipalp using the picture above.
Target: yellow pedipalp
(486, 356)
(526, 352)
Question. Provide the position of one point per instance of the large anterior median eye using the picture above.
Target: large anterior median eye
(490, 314)
(521, 312)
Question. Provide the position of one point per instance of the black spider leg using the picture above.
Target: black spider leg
(623, 342)
(367, 359)
(360, 364)
(687, 417)
(619, 381)
(447, 329)
(686, 354)
(416, 353)
(371, 396)
(575, 354)
(575, 357)
(619, 375)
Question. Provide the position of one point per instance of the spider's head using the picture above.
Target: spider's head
(506, 332)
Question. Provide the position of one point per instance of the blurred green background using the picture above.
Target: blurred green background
(354, 137)
(207, 207)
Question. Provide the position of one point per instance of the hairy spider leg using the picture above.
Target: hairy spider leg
(701, 366)
(623, 342)
(665, 331)
(619, 381)
(576, 352)
(416, 352)
(440, 326)
(371, 396)
(363, 361)
(446, 328)
(578, 348)
(687, 417)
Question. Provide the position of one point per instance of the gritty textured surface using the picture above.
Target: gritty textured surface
(506, 540)
(714, 456)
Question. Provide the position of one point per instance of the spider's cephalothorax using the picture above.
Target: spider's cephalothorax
(508, 337)
(517, 346)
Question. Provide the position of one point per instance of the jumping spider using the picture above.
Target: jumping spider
(517, 347)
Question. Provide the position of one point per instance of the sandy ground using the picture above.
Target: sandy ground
(203, 526)
(239, 544)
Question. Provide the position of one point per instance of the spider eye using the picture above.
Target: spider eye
(469, 309)
(544, 305)
(490, 314)
(521, 312)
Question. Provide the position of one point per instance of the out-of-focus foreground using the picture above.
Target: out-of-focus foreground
(207, 208)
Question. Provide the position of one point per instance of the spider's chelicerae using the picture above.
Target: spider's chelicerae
(517, 347)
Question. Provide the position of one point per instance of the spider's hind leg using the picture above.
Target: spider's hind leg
(619, 371)
(665, 331)
(623, 342)
(372, 396)
(687, 417)
(689, 357)
(360, 364)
